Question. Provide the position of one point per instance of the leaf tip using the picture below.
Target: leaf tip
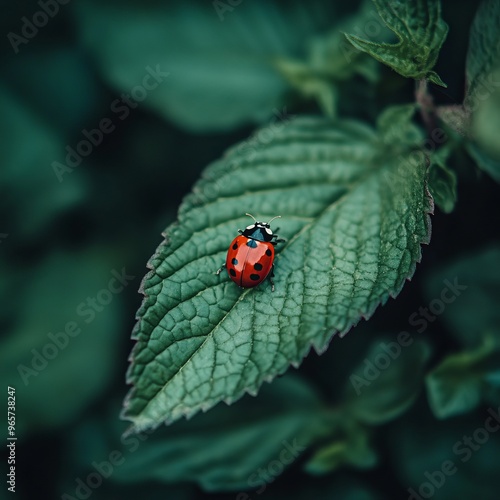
(433, 77)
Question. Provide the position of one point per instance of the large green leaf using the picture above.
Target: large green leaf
(420, 32)
(221, 72)
(354, 209)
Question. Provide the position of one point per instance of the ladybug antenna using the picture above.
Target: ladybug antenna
(250, 215)
(277, 217)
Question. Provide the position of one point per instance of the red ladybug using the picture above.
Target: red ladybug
(250, 256)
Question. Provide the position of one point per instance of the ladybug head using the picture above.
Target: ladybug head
(259, 230)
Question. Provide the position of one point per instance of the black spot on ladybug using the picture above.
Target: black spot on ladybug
(252, 243)
(258, 267)
(232, 272)
(254, 277)
(268, 252)
(234, 262)
(235, 246)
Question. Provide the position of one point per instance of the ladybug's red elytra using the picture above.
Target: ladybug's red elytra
(250, 257)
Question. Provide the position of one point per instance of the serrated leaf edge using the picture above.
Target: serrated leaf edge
(137, 428)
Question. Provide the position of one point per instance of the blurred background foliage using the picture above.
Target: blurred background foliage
(230, 69)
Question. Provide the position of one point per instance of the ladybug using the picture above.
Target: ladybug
(250, 257)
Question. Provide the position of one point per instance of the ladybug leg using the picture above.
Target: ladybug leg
(221, 268)
(277, 240)
(240, 231)
(271, 276)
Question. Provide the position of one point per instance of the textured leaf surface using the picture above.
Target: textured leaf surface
(355, 211)
(420, 32)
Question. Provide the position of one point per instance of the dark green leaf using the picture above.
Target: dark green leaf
(355, 212)
(27, 173)
(59, 373)
(221, 70)
(443, 186)
(482, 102)
(484, 161)
(422, 447)
(225, 448)
(454, 116)
(483, 55)
(396, 127)
(387, 382)
(350, 448)
(330, 60)
(310, 85)
(471, 312)
(64, 75)
(461, 381)
(485, 123)
(420, 32)
(331, 487)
